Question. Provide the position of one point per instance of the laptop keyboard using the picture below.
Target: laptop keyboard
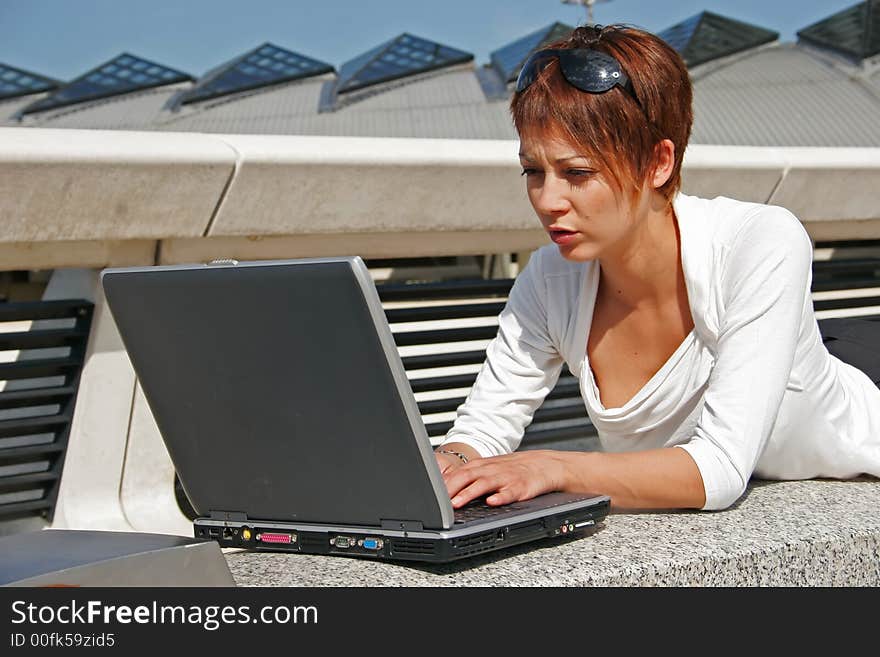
(478, 509)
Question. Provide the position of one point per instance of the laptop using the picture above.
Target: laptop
(285, 408)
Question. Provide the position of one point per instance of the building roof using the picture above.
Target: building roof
(766, 94)
(786, 96)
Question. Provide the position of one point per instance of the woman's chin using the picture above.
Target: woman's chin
(580, 252)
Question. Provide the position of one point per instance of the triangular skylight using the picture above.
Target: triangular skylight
(708, 36)
(854, 31)
(14, 82)
(400, 57)
(266, 65)
(508, 60)
(121, 75)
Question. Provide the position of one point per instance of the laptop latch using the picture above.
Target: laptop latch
(229, 516)
(406, 525)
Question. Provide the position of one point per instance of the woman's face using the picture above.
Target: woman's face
(579, 207)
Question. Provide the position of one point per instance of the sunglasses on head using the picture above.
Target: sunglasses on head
(588, 70)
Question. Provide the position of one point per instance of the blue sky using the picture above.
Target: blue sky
(65, 38)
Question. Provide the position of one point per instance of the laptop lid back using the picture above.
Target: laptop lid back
(279, 392)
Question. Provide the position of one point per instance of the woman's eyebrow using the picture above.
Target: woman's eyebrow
(566, 158)
(571, 157)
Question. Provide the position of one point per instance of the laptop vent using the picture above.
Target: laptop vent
(475, 541)
(411, 546)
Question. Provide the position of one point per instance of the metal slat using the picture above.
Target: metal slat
(442, 382)
(429, 361)
(26, 425)
(444, 290)
(445, 335)
(32, 450)
(38, 368)
(35, 310)
(24, 508)
(844, 284)
(42, 339)
(35, 397)
(33, 478)
(852, 302)
(836, 265)
(429, 313)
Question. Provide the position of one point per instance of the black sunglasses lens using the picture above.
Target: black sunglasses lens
(590, 70)
(533, 67)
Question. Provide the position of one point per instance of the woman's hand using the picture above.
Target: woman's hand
(504, 479)
(448, 463)
(449, 456)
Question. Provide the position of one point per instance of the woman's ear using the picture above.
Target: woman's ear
(664, 158)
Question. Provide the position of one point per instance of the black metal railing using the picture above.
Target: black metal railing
(39, 379)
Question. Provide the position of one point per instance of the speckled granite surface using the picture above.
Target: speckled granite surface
(803, 533)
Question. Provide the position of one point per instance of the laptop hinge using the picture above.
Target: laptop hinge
(407, 525)
(231, 516)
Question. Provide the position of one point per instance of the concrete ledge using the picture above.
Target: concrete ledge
(800, 533)
(92, 198)
(306, 185)
(108, 185)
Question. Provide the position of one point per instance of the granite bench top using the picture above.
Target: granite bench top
(796, 533)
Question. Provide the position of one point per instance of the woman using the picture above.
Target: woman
(689, 322)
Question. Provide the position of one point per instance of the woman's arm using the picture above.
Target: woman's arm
(522, 365)
(657, 478)
(765, 292)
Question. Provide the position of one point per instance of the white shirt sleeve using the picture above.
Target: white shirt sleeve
(764, 286)
(522, 366)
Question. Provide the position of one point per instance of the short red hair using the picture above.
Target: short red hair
(609, 126)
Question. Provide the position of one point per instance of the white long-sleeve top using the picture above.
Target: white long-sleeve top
(751, 389)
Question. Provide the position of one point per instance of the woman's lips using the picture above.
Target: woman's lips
(563, 236)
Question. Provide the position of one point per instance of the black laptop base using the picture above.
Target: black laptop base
(416, 545)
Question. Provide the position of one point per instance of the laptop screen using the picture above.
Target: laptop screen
(278, 391)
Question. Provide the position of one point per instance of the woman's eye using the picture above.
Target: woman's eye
(578, 173)
(527, 171)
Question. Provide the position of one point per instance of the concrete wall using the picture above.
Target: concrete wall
(94, 198)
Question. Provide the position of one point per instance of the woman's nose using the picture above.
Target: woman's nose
(551, 198)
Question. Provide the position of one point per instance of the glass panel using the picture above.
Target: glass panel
(855, 31)
(708, 36)
(111, 78)
(262, 66)
(404, 55)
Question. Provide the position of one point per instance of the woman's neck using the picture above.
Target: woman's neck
(644, 268)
